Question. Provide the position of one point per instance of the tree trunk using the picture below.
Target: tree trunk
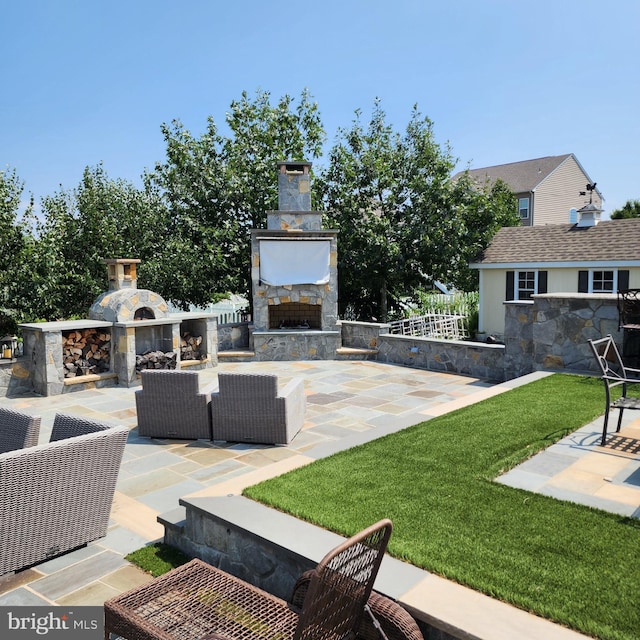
(383, 302)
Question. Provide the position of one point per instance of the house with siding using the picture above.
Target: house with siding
(588, 257)
(547, 188)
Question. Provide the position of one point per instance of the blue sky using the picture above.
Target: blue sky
(86, 82)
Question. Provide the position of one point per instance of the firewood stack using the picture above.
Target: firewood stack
(190, 347)
(156, 360)
(85, 352)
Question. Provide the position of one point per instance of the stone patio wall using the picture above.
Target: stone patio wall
(551, 332)
(233, 335)
(362, 335)
(476, 359)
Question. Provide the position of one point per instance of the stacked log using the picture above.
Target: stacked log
(86, 351)
(190, 347)
(156, 360)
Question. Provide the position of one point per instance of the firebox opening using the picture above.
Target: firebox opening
(295, 315)
(144, 313)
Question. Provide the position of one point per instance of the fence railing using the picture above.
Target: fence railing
(432, 325)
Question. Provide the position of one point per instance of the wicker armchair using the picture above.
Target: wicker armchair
(382, 613)
(17, 430)
(614, 374)
(249, 407)
(172, 405)
(197, 601)
(57, 496)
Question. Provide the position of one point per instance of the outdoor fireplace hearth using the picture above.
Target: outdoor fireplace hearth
(294, 276)
(294, 316)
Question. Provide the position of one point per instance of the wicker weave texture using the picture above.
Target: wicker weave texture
(250, 408)
(342, 583)
(17, 430)
(196, 600)
(171, 405)
(57, 496)
(395, 621)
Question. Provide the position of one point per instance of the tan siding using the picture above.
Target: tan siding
(493, 290)
(559, 192)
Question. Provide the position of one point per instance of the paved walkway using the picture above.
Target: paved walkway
(347, 402)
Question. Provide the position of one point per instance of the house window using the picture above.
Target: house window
(603, 281)
(523, 206)
(526, 285)
(522, 285)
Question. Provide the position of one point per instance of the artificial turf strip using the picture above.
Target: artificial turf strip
(571, 564)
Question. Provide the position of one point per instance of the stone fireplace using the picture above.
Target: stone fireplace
(294, 276)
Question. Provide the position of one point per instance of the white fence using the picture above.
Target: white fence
(432, 325)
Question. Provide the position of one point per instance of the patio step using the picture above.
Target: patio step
(356, 353)
(237, 355)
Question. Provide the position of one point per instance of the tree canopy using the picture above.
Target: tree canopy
(630, 209)
(403, 222)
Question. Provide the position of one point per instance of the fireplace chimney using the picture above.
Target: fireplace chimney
(294, 188)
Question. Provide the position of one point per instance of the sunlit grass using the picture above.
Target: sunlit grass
(566, 562)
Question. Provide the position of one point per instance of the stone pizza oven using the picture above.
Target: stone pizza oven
(127, 329)
(123, 301)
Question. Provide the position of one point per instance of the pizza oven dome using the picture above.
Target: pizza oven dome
(124, 302)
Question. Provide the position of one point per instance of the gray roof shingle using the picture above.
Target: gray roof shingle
(521, 176)
(609, 240)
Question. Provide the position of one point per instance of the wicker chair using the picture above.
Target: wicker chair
(249, 408)
(382, 613)
(197, 601)
(614, 374)
(172, 405)
(57, 496)
(18, 430)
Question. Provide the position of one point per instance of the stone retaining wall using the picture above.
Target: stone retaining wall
(476, 359)
(14, 378)
(362, 335)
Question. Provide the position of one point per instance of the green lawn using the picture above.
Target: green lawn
(566, 562)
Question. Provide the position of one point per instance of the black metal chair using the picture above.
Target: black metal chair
(614, 374)
(629, 323)
(629, 309)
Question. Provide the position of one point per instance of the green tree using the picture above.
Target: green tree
(101, 218)
(403, 223)
(630, 209)
(15, 239)
(219, 187)
(482, 210)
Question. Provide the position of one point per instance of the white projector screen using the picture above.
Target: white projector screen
(285, 262)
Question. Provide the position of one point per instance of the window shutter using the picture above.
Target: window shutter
(542, 282)
(623, 279)
(583, 282)
(510, 293)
